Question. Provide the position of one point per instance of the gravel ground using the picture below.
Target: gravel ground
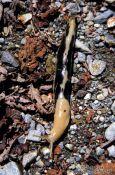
(88, 145)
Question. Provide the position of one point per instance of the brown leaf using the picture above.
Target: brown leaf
(35, 96)
(54, 172)
(57, 150)
(30, 52)
(104, 169)
(89, 114)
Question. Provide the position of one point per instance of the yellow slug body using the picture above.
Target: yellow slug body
(62, 84)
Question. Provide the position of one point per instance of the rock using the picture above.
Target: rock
(87, 96)
(10, 169)
(100, 97)
(6, 1)
(111, 151)
(99, 151)
(111, 22)
(110, 132)
(2, 40)
(110, 1)
(74, 80)
(102, 17)
(45, 151)
(69, 146)
(40, 163)
(109, 39)
(41, 129)
(81, 93)
(23, 41)
(73, 8)
(26, 117)
(29, 157)
(89, 16)
(22, 139)
(8, 58)
(81, 57)
(96, 67)
(34, 135)
(82, 46)
(113, 107)
(25, 18)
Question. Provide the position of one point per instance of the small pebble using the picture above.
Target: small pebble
(33, 135)
(45, 151)
(29, 157)
(113, 107)
(110, 132)
(96, 67)
(69, 146)
(111, 151)
(87, 96)
(99, 151)
(7, 57)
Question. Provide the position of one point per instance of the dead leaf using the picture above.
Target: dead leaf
(54, 172)
(104, 169)
(35, 96)
(89, 115)
(31, 52)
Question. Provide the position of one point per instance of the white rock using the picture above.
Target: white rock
(111, 151)
(96, 67)
(105, 92)
(29, 157)
(110, 1)
(82, 46)
(69, 146)
(100, 97)
(113, 107)
(34, 135)
(40, 163)
(74, 80)
(110, 132)
(25, 18)
(45, 151)
(101, 119)
(88, 96)
(4, 1)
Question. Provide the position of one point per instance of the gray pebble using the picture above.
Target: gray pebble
(23, 41)
(2, 40)
(73, 8)
(26, 117)
(113, 107)
(102, 17)
(29, 157)
(110, 132)
(41, 129)
(81, 57)
(34, 135)
(8, 58)
(111, 151)
(109, 39)
(10, 169)
(99, 151)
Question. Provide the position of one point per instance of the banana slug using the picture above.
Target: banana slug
(62, 85)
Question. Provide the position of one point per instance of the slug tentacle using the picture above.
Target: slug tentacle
(63, 84)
